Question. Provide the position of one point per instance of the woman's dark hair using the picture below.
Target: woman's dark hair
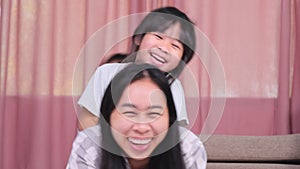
(168, 153)
(159, 20)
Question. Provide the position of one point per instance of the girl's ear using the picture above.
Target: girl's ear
(137, 40)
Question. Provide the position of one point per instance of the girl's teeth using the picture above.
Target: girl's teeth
(158, 58)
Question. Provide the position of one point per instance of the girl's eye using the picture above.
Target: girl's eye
(158, 36)
(176, 46)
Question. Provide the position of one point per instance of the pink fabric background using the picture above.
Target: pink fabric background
(258, 44)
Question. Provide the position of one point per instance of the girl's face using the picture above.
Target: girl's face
(140, 120)
(163, 50)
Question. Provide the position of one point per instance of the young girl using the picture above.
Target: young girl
(139, 133)
(165, 38)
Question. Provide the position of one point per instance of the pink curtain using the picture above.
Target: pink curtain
(244, 80)
(256, 42)
(295, 71)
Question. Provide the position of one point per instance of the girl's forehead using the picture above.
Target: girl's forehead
(173, 31)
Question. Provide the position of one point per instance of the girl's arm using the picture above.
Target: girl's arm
(92, 95)
(179, 101)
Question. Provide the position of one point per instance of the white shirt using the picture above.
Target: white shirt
(92, 95)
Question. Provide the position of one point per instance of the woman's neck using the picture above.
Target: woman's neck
(139, 164)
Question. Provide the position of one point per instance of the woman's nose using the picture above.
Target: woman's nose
(141, 128)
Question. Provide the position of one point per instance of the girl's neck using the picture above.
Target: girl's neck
(139, 164)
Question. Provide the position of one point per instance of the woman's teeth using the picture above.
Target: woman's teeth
(139, 141)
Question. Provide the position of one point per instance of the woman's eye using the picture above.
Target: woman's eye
(129, 114)
(154, 114)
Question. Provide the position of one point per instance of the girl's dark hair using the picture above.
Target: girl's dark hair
(168, 153)
(118, 58)
(160, 20)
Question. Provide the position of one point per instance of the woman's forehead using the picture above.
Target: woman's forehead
(143, 92)
(144, 85)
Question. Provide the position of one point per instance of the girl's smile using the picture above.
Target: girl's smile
(163, 50)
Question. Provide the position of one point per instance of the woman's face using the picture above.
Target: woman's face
(141, 120)
(163, 50)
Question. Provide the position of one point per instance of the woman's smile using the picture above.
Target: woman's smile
(140, 121)
(139, 144)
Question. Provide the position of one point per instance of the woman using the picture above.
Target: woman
(139, 122)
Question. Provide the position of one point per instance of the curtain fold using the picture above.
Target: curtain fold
(282, 109)
(295, 91)
(38, 121)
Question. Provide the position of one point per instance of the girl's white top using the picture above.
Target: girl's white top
(91, 97)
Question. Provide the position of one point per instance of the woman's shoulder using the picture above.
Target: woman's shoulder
(193, 150)
(90, 136)
(86, 150)
(186, 134)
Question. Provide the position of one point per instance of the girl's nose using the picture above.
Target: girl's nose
(164, 46)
